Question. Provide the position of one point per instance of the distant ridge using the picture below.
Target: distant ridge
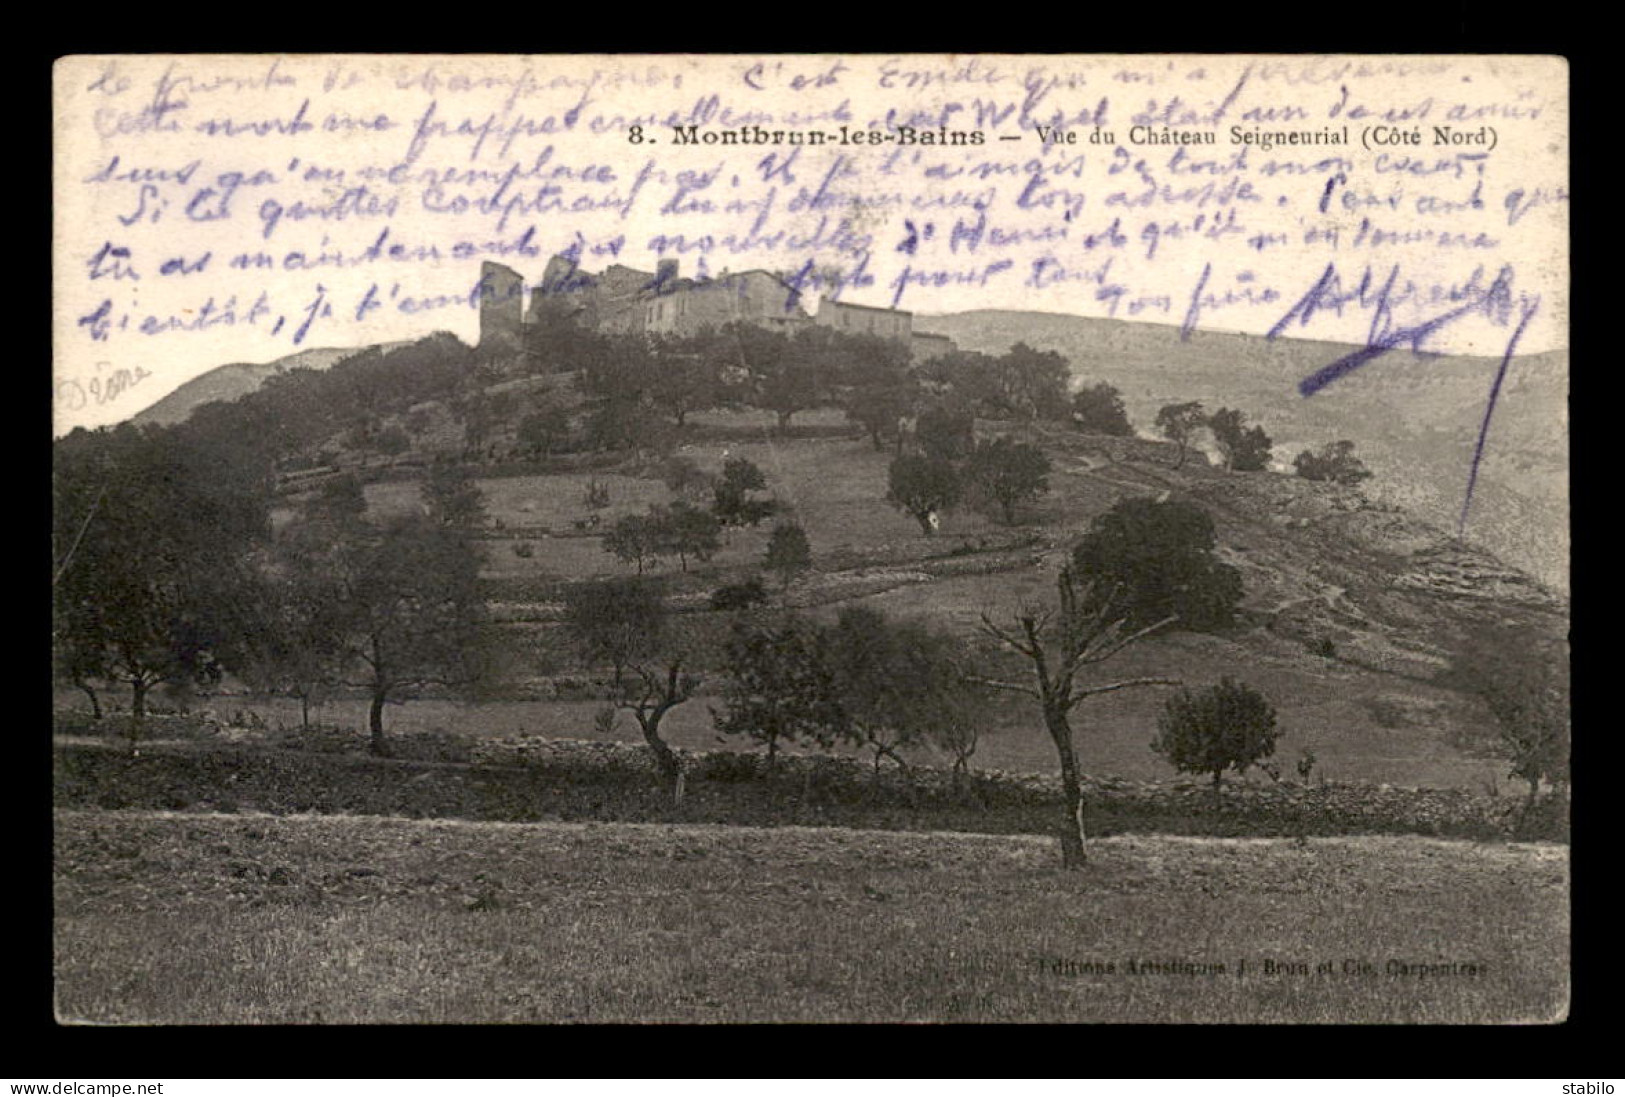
(238, 379)
(1414, 419)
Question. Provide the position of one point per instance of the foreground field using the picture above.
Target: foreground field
(198, 919)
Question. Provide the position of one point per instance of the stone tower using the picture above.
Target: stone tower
(502, 307)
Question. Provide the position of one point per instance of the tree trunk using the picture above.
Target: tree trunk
(138, 708)
(1072, 832)
(375, 723)
(304, 711)
(95, 702)
(784, 420)
(1218, 776)
(666, 760)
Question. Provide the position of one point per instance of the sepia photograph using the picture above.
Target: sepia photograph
(871, 538)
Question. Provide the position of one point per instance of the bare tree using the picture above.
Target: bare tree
(659, 694)
(1060, 642)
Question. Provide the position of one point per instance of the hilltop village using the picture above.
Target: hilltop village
(623, 301)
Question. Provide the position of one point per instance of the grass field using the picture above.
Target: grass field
(197, 919)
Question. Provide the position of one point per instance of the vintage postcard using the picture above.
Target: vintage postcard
(859, 538)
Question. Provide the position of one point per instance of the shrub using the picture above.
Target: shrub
(1335, 462)
(741, 595)
(788, 552)
(1098, 409)
(728, 767)
(1228, 726)
(595, 496)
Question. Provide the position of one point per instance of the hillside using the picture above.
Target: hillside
(1355, 599)
(1352, 607)
(238, 379)
(1414, 419)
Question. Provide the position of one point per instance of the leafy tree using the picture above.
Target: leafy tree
(479, 415)
(628, 425)
(392, 441)
(554, 341)
(79, 660)
(780, 377)
(616, 622)
(1005, 473)
(1179, 423)
(743, 475)
(1086, 628)
(1033, 383)
(636, 538)
(969, 378)
(732, 503)
(1335, 462)
(623, 623)
(922, 487)
(683, 477)
(453, 497)
(299, 650)
(946, 431)
(881, 392)
(544, 430)
(682, 530)
(894, 682)
(621, 384)
(1099, 409)
(1227, 726)
(153, 535)
(1524, 683)
(1244, 450)
(778, 688)
(788, 552)
(684, 379)
(409, 613)
(622, 373)
(1158, 555)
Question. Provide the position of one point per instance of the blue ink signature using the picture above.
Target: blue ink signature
(1495, 301)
